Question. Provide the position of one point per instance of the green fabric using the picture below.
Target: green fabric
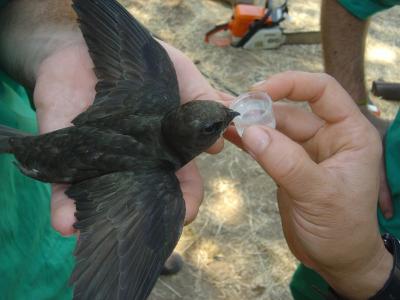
(3, 2)
(305, 281)
(363, 9)
(307, 284)
(392, 161)
(35, 261)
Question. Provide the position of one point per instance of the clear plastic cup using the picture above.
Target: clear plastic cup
(255, 108)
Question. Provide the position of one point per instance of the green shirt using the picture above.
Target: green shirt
(392, 161)
(35, 261)
(363, 9)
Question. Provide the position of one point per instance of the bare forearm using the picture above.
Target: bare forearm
(343, 37)
(30, 31)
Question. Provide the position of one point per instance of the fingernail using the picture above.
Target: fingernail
(257, 85)
(256, 140)
(388, 215)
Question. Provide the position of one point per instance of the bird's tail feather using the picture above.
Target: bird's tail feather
(5, 134)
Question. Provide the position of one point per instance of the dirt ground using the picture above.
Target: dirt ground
(235, 248)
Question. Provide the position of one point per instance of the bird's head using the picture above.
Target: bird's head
(195, 126)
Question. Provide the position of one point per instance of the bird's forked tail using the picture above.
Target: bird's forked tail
(5, 134)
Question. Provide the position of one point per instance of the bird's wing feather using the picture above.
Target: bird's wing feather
(129, 225)
(133, 69)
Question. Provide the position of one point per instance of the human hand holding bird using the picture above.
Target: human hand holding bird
(65, 87)
(122, 152)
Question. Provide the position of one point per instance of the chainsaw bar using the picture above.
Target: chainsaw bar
(305, 37)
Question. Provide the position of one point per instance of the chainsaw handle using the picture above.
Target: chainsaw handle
(258, 24)
(254, 27)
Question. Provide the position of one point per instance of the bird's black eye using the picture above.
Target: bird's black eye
(213, 128)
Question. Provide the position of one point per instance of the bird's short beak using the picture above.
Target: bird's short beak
(232, 114)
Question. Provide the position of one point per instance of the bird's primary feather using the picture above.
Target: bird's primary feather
(127, 231)
(5, 134)
(129, 63)
(129, 222)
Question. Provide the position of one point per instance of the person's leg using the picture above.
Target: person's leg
(343, 42)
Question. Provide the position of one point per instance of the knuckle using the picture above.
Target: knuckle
(327, 78)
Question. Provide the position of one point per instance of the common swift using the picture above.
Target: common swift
(121, 154)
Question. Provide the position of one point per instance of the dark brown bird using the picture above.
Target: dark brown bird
(121, 156)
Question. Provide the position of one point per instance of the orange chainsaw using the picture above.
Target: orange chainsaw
(256, 27)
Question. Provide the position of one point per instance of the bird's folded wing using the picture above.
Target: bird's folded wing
(133, 69)
(129, 225)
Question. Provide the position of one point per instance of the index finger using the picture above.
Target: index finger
(326, 97)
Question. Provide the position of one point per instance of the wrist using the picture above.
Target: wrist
(363, 282)
(52, 26)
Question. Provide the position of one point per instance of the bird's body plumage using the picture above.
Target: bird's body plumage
(121, 156)
(77, 153)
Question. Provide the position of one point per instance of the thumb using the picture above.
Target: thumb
(284, 160)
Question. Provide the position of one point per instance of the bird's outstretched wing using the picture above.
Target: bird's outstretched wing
(134, 71)
(129, 225)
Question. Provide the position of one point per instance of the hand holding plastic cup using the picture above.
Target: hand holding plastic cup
(255, 108)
